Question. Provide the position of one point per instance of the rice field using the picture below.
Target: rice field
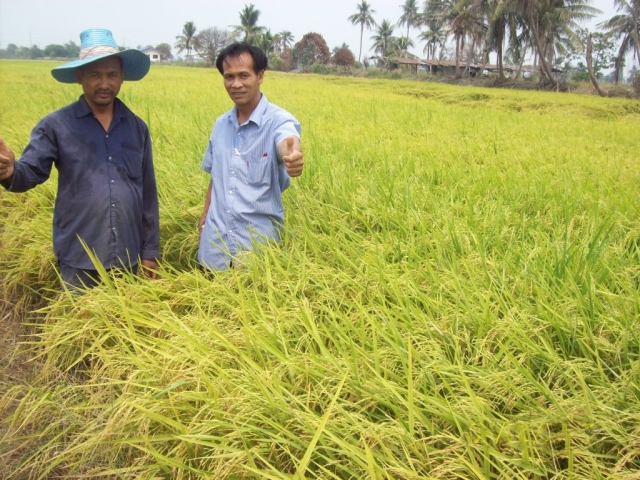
(456, 296)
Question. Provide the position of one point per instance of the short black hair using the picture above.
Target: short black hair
(236, 49)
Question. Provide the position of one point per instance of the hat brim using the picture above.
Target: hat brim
(135, 64)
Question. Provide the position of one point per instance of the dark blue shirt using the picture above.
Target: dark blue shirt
(107, 194)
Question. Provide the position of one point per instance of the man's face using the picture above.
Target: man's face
(101, 81)
(241, 82)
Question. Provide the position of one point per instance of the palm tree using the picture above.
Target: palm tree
(383, 41)
(249, 23)
(186, 41)
(286, 39)
(460, 18)
(400, 47)
(434, 36)
(626, 27)
(266, 41)
(364, 17)
(552, 25)
(410, 16)
(502, 23)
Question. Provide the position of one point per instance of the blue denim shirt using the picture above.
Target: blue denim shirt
(107, 194)
(248, 180)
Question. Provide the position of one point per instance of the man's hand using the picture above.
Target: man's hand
(291, 153)
(7, 159)
(150, 269)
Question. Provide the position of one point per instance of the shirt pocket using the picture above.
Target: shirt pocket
(132, 161)
(260, 170)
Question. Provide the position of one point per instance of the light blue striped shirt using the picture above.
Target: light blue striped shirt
(248, 181)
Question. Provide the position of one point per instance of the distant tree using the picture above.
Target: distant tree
(632, 74)
(343, 57)
(212, 40)
(383, 41)
(335, 49)
(435, 36)
(286, 39)
(266, 41)
(286, 63)
(580, 73)
(73, 50)
(364, 18)
(400, 46)
(311, 49)
(55, 51)
(603, 50)
(12, 50)
(410, 15)
(165, 51)
(35, 52)
(249, 24)
(186, 41)
(625, 26)
(23, 52)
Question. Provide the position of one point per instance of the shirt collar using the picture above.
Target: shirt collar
(255, 117)
(82, 108)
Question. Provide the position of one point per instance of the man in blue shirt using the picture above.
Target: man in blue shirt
(107, 197)
(253, 151)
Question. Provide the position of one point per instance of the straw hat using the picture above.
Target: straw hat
(96, 44)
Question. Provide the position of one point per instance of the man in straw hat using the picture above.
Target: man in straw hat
(107, 198)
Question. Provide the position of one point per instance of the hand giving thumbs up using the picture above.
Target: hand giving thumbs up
(291, 154)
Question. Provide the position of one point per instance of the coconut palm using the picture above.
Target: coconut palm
(249, 24)
(502, 23)
(625, 26)
(266, 41)
(552, 26)
(286, 39)
(435, 36)
(187, 40)
(410, 15)
(400, 46)
(364, 17)
(460, 18)
(383, 41)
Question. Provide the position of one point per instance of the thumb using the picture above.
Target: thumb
(289, 145)
(6, 151)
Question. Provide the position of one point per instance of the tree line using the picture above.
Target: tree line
(548, 30)
(280, 48)
(68, 50)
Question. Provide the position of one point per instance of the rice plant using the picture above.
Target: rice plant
(456, 295)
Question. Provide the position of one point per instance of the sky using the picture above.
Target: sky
(150, 22)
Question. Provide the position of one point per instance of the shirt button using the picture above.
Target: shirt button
(111, 181)
(114, 229)
(109, 158)
(230, 192)
(107, 136)
(113, 205)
